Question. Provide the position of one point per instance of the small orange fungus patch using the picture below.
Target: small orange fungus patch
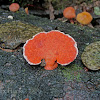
(14, 7)
(26, 99)
(69, 13)
(26, 10)
(54, 47)
(84, 18)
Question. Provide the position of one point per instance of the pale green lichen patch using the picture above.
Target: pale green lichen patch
(97, 10)
(14, 33)
(91, 56)
(71, 72)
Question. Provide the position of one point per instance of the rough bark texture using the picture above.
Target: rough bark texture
(19, 80)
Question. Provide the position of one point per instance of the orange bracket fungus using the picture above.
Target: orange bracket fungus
(84, 18)
(14, 7)
(69, 13)
(54, 47)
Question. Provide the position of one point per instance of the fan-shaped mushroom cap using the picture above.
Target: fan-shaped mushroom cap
(54, 46)
(14, 7)
(69, 13)
(84, 18)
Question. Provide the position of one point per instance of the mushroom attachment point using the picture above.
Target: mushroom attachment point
(84, 18)
(14, 7)
(54, 47)
(69, 13)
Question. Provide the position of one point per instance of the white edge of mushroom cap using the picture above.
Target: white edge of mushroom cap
(75, 45)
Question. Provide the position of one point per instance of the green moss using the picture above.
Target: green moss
(14, 33)
(71, 72)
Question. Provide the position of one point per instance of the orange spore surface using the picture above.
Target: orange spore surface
(54, 46)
